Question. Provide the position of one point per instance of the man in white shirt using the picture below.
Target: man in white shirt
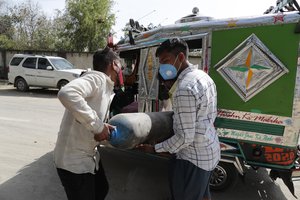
(87, 101)
(195, 142)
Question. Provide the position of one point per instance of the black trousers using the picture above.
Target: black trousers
(187, 181)
(84, 186)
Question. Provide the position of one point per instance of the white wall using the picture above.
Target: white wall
(81, 60)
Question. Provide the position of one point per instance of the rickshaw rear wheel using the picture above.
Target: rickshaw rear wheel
(224, 176)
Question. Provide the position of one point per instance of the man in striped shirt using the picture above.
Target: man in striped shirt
(195, 141)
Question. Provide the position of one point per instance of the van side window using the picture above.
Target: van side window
(43, 63)
(30, 63)
(16, 61)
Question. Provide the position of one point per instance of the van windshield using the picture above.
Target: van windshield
(61, 64)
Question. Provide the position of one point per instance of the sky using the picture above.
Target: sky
(166, 12)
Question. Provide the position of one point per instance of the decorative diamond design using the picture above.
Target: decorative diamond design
(250, 68)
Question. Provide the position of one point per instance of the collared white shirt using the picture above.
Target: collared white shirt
(195, 109)
(86, 100)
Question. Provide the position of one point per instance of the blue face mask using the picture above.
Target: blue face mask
(168, 71)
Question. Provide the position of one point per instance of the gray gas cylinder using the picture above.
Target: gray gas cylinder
(133, 129)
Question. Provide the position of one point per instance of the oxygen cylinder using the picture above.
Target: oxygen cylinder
(133, 129)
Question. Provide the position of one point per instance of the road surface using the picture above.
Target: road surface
(28, 128)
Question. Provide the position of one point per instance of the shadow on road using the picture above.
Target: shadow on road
(9, 90)
(36, 181)
(134, 176)
(255, 185)
(131, 176)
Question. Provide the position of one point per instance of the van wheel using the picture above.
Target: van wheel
(224, 176)
(62, 83)
(21, 85)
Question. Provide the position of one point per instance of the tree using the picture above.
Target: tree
(62, 41)
(6, 42)
(83, 26)
(44, 36)
(89, 23)
(28, 22)
(6, 28)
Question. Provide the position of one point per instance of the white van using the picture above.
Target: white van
(40, 71)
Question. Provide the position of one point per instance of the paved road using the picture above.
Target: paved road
(28, 127)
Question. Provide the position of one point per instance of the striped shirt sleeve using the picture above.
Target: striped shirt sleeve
(184, 106)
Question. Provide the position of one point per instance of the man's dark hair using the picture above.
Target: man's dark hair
(174, 46)
(103, 58)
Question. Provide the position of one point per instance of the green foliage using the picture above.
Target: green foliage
(61, 40)
(83, 26)
(28, 22)
(89, 23)
(6, 27)
(5, 42)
